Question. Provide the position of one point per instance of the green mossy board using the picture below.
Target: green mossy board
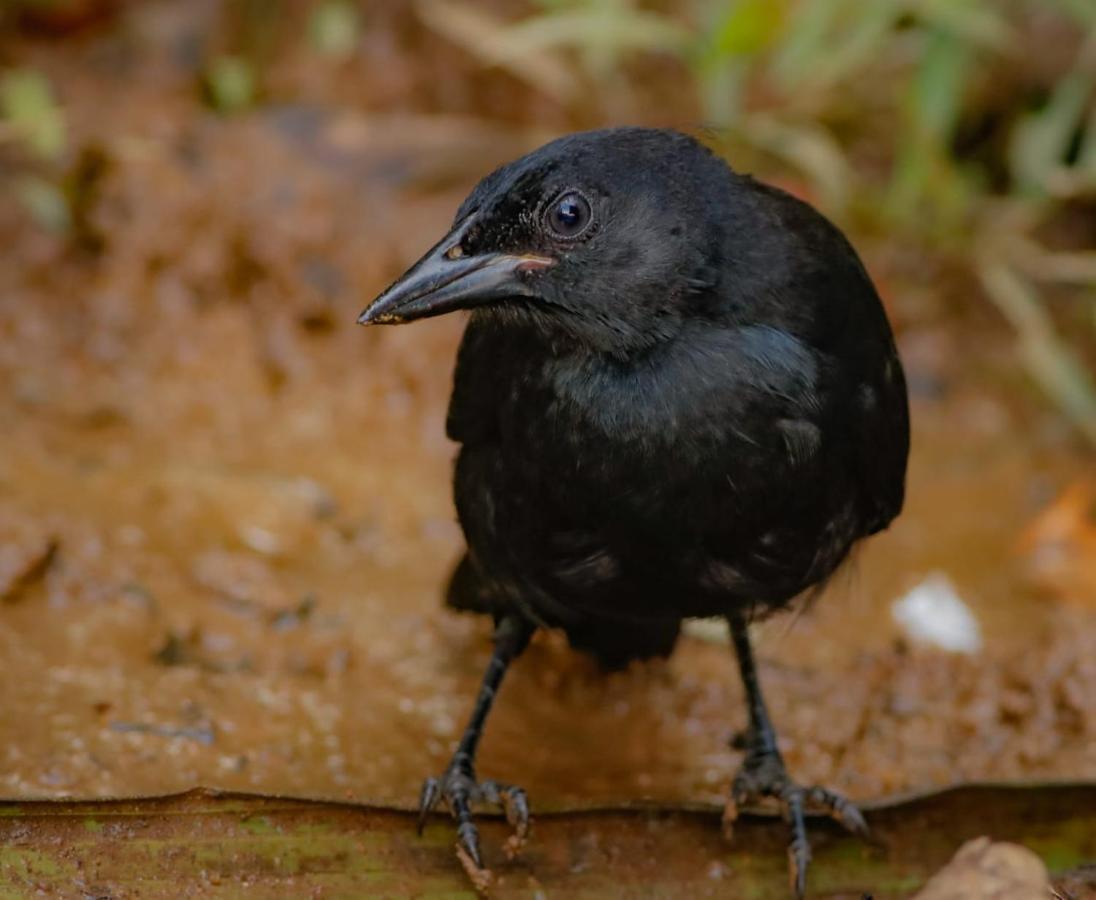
(205, 845)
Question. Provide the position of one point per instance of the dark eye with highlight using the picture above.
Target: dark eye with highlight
(569, 215)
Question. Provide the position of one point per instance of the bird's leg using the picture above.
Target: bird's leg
(458, 785)
(763, 774)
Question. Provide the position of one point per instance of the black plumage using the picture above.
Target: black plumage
(678, 395)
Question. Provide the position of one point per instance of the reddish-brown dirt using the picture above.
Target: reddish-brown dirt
(225, 519)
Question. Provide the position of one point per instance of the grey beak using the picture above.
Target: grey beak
(445, 280)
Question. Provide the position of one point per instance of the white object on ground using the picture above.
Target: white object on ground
(934, 613)
(713, 631)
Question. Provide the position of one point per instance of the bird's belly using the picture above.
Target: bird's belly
(560, 538)
(628, 541)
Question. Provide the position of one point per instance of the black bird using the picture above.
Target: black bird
(678, 395)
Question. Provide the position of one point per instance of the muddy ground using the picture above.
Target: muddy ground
(225, 518)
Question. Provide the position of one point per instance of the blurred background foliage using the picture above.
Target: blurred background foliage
(961, 131)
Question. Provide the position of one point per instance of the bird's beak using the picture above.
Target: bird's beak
(445, 280)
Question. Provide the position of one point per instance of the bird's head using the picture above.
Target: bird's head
(601, 237)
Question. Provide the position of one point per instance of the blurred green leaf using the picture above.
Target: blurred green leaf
(334, 28)
(974, 21)
(600, 31)
(1086, 155)
(810, 29)
(932, 106)
(937, 87)
(604, 25)
(748, 26)
(828, 40)
(1041, 139)
(1082, 11)
(721, 85)
(720, 53)
(812, 150)
(230, 84)
(1048, 358)
(31, 113)
(489, 39)
(45, 202)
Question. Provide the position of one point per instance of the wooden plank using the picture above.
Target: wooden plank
(200, 844)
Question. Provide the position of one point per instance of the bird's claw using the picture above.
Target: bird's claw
(837, 807)
(460, 791)
(428, 799)
(763, 776)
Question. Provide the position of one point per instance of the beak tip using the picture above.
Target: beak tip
(371, 316)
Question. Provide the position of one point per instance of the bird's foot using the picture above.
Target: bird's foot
(460, 790)
(764, 777)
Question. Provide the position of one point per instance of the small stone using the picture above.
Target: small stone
(982, 868)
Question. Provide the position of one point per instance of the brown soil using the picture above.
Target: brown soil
(225, 516)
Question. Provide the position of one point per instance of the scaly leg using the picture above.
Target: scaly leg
(763, 774)
(458, 784)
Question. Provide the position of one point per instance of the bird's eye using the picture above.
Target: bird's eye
(569, 215)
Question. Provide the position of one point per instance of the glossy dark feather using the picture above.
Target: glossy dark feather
(731, 462)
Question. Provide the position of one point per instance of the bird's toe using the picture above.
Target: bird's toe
(460, 791)
(764, 778)
(838, 807)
